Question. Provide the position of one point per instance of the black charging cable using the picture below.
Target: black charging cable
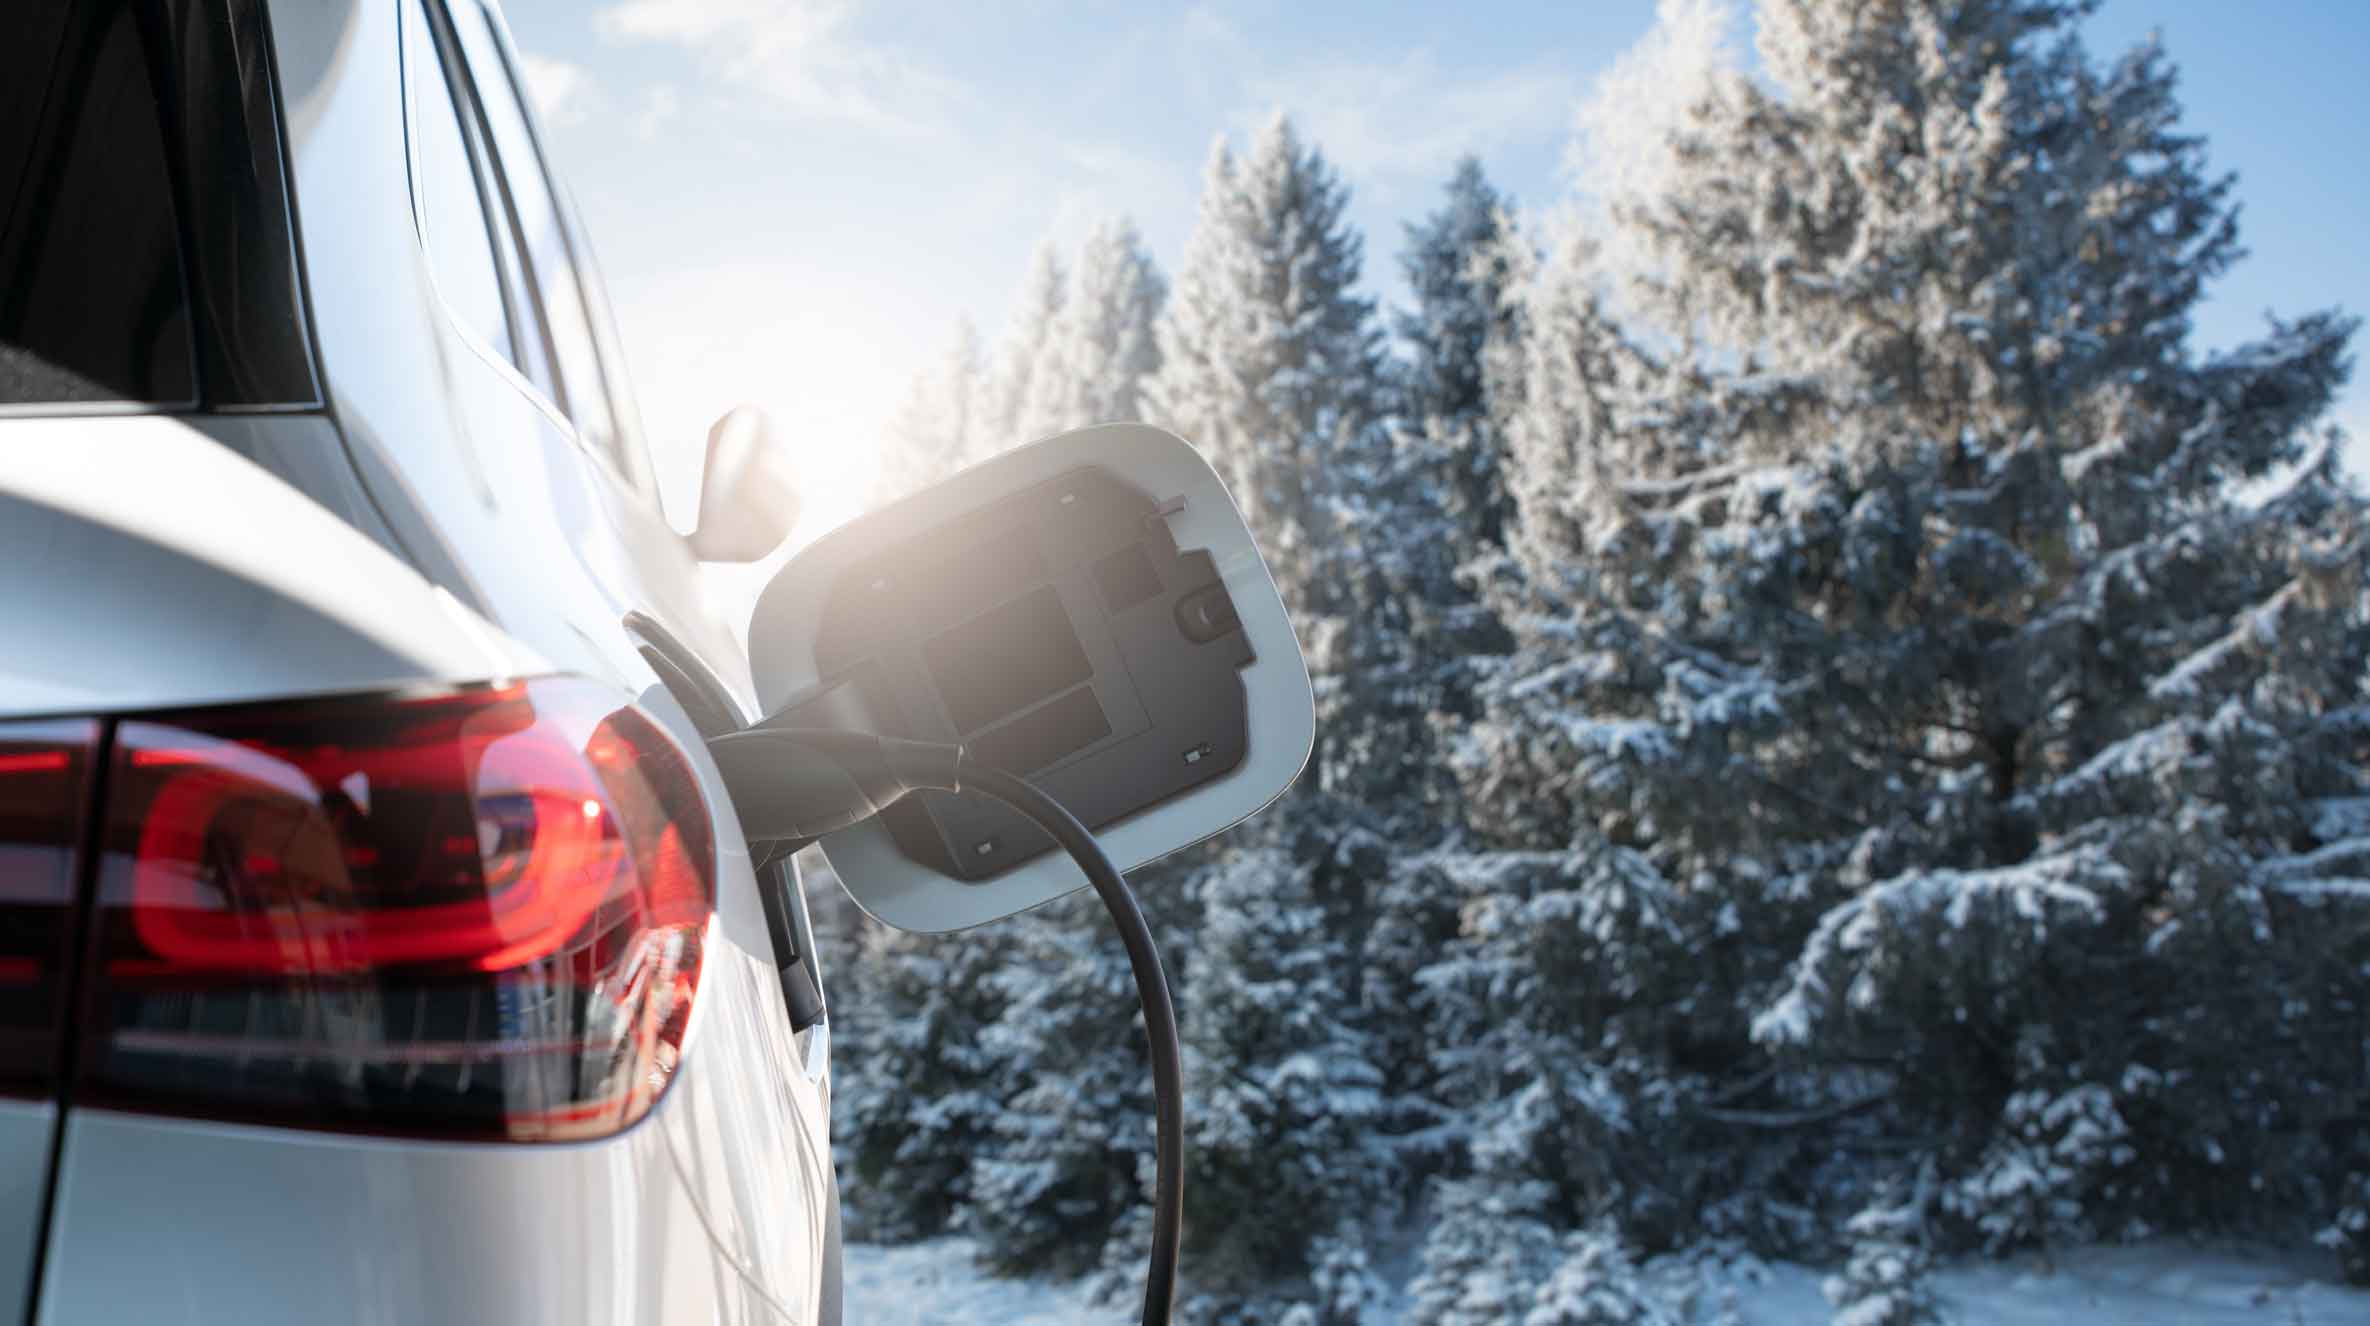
(1152, 990)
(793, 784)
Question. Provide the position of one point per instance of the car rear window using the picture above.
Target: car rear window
(94, 306)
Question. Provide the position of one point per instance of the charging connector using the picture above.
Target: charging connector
(801, 783)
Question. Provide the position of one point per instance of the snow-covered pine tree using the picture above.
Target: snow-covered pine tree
(915, 1082)
(2348, 1232)
(1271, 363)
(1270, 359)
(1100, 344)
(1058, 1175)
(1884, 1281)
(1432, 522)
(1282, 1156)
(1489, 1247)
(1443, 495)
(941, 426)
(1597, 1284)
(2049, 1151)
(1554, 1013)
(1349, 1285)
(1023, 359)
(1459, 263)
(1441, 516)
(1575, 970)
(1549, 1013)
(1968, 655)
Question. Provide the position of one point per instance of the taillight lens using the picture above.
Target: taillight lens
(476, 914)
(44, 776)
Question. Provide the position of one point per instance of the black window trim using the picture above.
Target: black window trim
(627, 422)
(486, 160)
(267, 52)
(460, 82)
(465, 115)
(520, 295)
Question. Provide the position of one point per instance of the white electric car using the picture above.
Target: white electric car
(376, 941)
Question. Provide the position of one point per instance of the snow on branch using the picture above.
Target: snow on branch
(2335, 870)
(1615, 738)
(1684, 485)
(2325, 890)
(1855, 939)
(2144, 757)
(2255, 632)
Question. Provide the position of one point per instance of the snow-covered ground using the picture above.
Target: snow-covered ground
(2159, 1282)
(936, 1283)
(2154, 1284)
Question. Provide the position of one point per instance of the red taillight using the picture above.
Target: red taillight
(44, 777)
(476, 914)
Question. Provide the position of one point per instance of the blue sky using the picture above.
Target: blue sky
(795, 200)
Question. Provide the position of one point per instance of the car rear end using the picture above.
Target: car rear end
(367, 951)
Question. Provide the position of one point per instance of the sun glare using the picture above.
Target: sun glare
(826, 358)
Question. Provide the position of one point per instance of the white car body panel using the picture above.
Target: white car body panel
(702, 1213)
(114, 533)
(26, 1130)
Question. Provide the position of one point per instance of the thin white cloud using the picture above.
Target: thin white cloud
(1406, 121)
(659, 107)
(562, 91)
(805, 57)
(1390, 122)
(1206, 47)
(1088, 183)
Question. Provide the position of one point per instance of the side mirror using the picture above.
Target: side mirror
(748, 498)
(1089, 612)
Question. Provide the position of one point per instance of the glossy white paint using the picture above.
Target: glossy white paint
(465, 460)
(172, 1221)
(115, 536)
(442, 523)
(1283, 720)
